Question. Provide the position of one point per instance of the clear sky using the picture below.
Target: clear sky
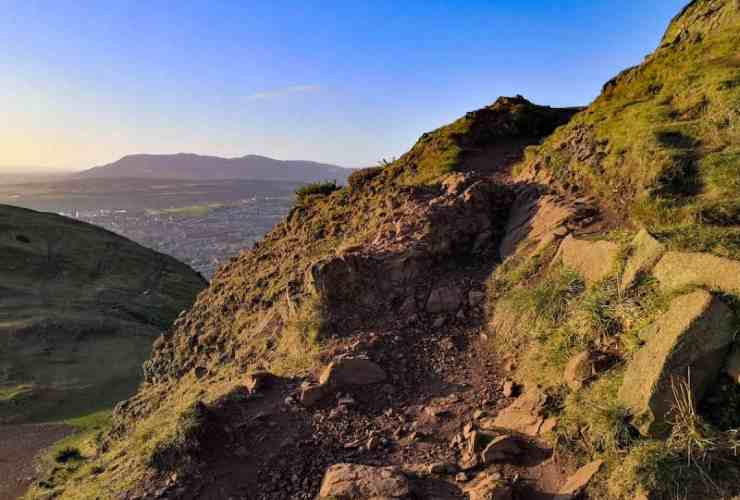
(85, 82)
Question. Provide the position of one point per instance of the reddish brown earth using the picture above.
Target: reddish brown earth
(266, 446)
(19, 446)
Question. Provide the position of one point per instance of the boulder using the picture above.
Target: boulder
(502, 449)
(593, 260)
(524, 415)
(679, 270)
(444, 300)
(362, 482)
(577, 483)
(489, 486)
(352, 371)
(645, 252)
(535, 221)
(312, 394)
(258, 380)
(732, 367)
(691, 339)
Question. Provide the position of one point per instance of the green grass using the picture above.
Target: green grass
(305, 193)
(189, 211)
(15, 393)
(558, 317)
(665, 141)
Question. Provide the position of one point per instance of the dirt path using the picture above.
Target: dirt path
(19, 446)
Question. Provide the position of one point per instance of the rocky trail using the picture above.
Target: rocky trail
(412, 406)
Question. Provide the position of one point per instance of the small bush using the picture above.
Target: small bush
(360, 178)
(316, 189)
(67, 454)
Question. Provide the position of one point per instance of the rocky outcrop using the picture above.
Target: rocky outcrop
(689, 343)
(535, 221)
(361, 482)
(645, 252)
(593, 260)
(678, 270)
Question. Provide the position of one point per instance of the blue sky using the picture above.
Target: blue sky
(85, 82)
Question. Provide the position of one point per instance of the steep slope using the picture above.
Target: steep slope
(191, 166)
(79, 310)
(321, 281)
(442, 329)
(661, 145)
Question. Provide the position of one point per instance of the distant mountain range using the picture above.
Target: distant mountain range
(192, 166)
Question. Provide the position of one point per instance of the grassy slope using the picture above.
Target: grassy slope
(79, 310)
(661, 144)
(660, 147)
(236, 325)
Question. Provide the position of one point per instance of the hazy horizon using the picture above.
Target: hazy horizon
(345, 84)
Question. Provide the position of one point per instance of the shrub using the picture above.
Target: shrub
(66, 454)
(316, 189)
(359, 178)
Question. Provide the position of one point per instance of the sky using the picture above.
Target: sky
(84, 83)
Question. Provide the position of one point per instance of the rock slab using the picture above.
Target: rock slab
(362, 482)
(593, 260)
(691, 339)
(679, 270)
(645, 252)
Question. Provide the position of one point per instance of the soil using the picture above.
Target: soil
(266, 446)
(19, 446)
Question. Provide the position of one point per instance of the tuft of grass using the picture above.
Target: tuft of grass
(67, 454)
(298, 346)
(305, 193)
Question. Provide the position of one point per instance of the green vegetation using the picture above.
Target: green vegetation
(660, 144)
(75, 345)
(189, 211)
(304, 193)
(67, 454)
(555, 317)
(451, 147)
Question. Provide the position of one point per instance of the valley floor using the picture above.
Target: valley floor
(19, 447)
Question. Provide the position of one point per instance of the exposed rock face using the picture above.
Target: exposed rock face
(536, 221)
(593, 260)
(678, 270)
(80, 308)
(645, 252)
(361, 482)
(693, 337)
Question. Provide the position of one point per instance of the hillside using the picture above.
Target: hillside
(526, 305)
(79, 310)
(191, 166)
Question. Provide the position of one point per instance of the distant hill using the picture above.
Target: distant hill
(79, 310)
(192, 166)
